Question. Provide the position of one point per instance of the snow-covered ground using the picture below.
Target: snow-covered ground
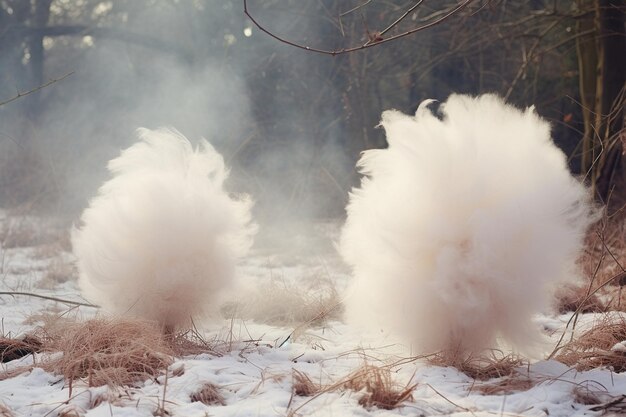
(255, 376)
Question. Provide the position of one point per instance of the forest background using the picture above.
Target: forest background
(77, 77)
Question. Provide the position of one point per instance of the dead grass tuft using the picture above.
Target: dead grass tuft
(12, 349)
(58, 272)
(585, 396)
(483, 367)
(281, 303)
(302, 385)
(570, 298)
(209, 394)
(191, 342)
(378, 388)
(71, 410)
(592, 349)
(113, 352)
(106, 351)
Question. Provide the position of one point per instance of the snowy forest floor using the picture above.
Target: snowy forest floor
(275, 353)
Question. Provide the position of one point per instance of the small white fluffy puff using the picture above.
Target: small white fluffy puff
(161, 238)
(462, 227)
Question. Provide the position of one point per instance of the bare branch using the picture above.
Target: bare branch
(400, 19)
(34, 90)
(377, 41)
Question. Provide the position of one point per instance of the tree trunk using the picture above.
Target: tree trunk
(602, 79)
(41, 14)
(611, 180)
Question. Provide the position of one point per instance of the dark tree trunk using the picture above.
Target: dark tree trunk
(602, 67)
(611, 183)
(41, 14)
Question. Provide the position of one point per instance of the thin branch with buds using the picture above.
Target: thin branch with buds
(370, 42)
(34, 90)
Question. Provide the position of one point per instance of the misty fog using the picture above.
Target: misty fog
(290, 123)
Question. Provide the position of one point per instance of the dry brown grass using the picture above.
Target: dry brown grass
(113, 352)
(208, 394)
(603, 263)
(378, 388)
(106, 351)
(586, 396)
(600, 400)
(570, 298)
(281, 303)
(12, 349)
(302, 385)
(484, 367)
(58, 272)
(374, 384)
(592, 349)
(191, 342)
(71, 410)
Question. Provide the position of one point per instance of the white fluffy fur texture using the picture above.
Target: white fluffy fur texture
(161, 238)
(462, 227)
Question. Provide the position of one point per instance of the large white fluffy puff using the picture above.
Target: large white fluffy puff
(462, 227)
(161, 238)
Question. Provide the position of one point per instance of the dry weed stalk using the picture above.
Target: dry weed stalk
(604, 262)
(378, 388)
(592, 349)
(570, 298)
(208, 394)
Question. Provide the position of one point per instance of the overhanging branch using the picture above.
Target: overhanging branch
(370, 43)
